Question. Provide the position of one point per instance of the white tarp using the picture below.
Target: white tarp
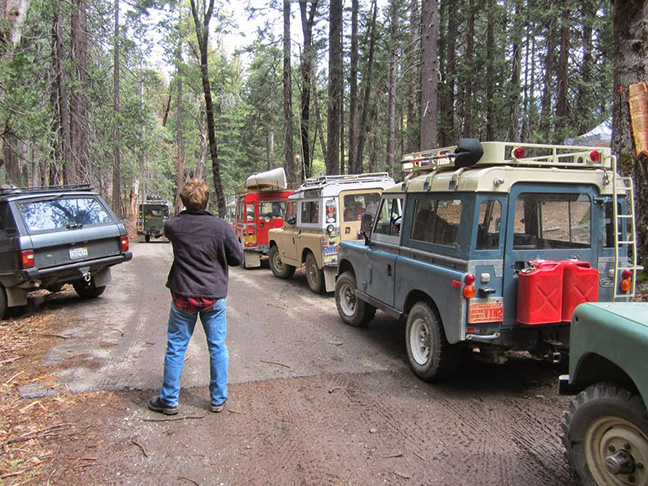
(599, 136)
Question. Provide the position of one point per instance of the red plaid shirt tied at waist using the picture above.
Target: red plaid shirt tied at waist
(191, 304)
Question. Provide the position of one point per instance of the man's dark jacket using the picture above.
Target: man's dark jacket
(203, 247)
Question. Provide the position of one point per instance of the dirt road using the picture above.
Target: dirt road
(312, 401)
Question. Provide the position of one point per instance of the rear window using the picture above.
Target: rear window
(61, 213)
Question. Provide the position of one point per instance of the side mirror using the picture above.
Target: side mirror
(291, 219)
(468, 152)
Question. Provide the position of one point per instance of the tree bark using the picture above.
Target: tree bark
(447, 131)
(514, 98)
(429, 74)
(366, 81)
(60, 104)
(391, 98)
(202, 36)
(289, 152)
(563, 67)
(354, 167)
(307, 57)
(180, 161)
(334, 88)
(630, 24)
(116, 179)
(79, 101)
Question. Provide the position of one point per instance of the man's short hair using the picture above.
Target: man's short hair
(195, 194)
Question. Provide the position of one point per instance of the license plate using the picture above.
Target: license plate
(78, 253)
(486, 312)
(330, 250)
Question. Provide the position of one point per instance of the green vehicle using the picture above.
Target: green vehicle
(151, 217)
(606, 424)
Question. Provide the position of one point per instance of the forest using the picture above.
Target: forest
(136, 96)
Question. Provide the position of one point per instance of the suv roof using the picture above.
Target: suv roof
(332, 185)
(12, 192)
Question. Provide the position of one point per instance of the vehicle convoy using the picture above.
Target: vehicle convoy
(258, 210)
(151, 216)
(488, 247)
(606, 425)
(321, 213)
(50, 236)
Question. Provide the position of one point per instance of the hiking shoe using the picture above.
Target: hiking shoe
(158, 405)
(217, 408)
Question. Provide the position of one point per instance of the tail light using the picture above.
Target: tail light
(27, 259)
(469, 290)
(595, 156)
(125, 244)
(626, 280)
(519, 153)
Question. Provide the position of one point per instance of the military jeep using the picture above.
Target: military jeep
(487, 248)
(319, 214)
(606, 425)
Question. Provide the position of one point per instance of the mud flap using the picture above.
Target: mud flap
(252, 259)
(103, 277)
(329, 278)
(16, 296)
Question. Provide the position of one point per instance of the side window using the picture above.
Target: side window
(310, 212)
(436, 221)
(488, 229)
(249, 212)
(388, 220)
(272, 209)
(549, 221)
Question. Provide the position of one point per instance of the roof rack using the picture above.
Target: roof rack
(6, 189)
(516, 154)
(345, 178)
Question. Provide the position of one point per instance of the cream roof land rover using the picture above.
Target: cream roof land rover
(319, 214)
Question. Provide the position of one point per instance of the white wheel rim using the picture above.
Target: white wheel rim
(347, 299)
(420, 341)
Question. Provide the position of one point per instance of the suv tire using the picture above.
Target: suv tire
(314, 275)
(353, 311)
(279, 268)
(606, 422)
(88, 290)
(430, 355)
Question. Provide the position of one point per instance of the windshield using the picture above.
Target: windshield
(62, 213)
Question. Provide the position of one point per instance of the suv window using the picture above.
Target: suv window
(547, 221)
(272, 209)
(63, 213)
(436, 221)
(310, 211)
(355, 205)
(388, 220)
(490, 220)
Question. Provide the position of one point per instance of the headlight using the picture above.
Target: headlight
(330, 229)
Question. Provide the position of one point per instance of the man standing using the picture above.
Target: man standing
(203, 247)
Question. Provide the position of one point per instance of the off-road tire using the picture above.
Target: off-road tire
(4, 306)
(314, 275)
(602, 421)
(430, 355)
(279, 268)
(147, 238)
(88, 290)
(353, 311)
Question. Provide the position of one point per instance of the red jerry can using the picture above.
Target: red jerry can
(580, 284)
(540, 289)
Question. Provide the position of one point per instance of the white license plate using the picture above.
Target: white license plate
(77, 253)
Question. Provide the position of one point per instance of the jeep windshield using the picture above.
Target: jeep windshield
(63, 213)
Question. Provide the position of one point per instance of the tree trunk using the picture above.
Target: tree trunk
(468, 85)
(563, 67)
(307, 57)
(289, 153)
(116, 179)
(447, 131)
(202, 35)
(585, 91)
(413, 130)
(79, 106)
(366, 81)
(334, 88)
(354, 167)
(514, 98)
(180, 161)
(491, 9)
(630, 24)
(60, 104)
(429, 74)
(391, 99)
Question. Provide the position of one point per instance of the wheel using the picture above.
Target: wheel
(353, 311)
(314, 275)
(147, 238)
(430, 355)
(606, 436)
(279, 268)
(88, 290)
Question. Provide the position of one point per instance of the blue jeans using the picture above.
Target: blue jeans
(180, 328)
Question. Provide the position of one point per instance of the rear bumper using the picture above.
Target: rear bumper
(92, 265)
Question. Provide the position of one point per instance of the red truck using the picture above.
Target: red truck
(260, 208)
